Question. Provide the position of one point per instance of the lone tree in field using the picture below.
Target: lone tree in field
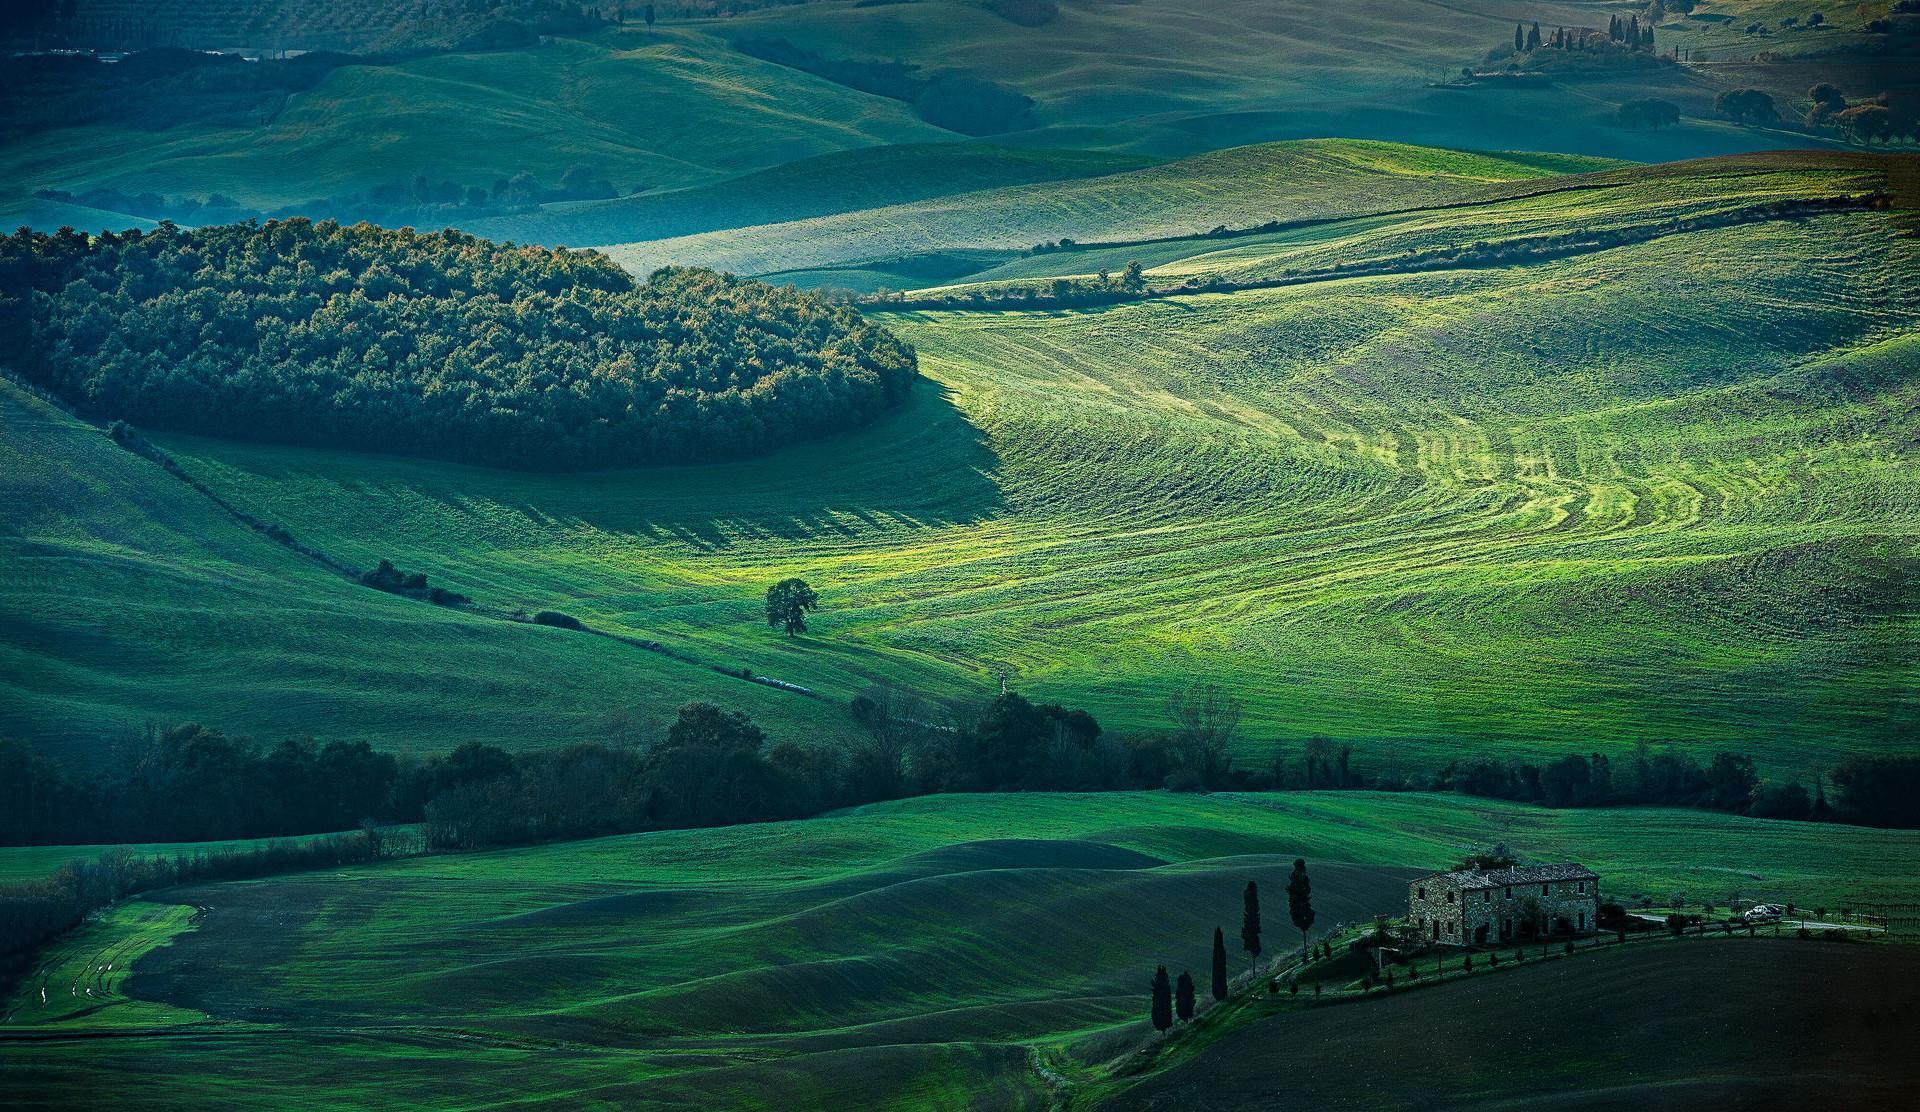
(1300, 901)
(647, 14)
(1183, 997)
(1649, 113)
(1747, 106)
(1250, 922)
(787, 604)
(1219, 964)
(1162, 1001)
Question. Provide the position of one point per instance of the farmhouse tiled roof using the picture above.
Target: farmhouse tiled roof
(1522, 874)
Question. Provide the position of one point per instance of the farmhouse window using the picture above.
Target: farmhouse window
(1543, 889)
(1423, 893)
(1583, 920)
(1581, 887)
(1509, 891)
(1489, 895)
(1449, 897)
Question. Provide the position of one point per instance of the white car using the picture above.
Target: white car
(1765, 913)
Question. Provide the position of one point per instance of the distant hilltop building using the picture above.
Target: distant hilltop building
(1477, 906)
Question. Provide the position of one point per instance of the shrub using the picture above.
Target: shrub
(1803, 932)
(1493, 960)
(1569, 949)
(1466, 963)
(557, 619)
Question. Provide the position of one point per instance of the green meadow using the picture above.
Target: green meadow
(1657, 491)
(1500, 430)
(897, 955)
(662, 110)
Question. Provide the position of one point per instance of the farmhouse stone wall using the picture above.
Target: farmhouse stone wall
(1459, 909)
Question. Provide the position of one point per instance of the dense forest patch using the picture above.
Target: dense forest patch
(435, 344)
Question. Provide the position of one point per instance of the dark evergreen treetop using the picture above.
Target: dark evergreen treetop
(1162, 1009)
(435, 344)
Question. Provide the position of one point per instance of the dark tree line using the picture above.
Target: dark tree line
(711, 766)
(436, 344)
(1869, 790)
(35, 912)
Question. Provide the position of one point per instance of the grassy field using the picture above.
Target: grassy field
(900, 955)
(1812, 1024)
(134, 600)
(1313, 179)
(660, 111)
(677, 107)
(1658, 491)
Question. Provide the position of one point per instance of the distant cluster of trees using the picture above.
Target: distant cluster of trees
(1870, 791)
(949, 99)
(191, 784)
(1870, 120)
(156, 88)
(1629, 35)
(435, 344)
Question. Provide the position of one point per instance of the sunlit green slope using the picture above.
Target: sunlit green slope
(1657, 490)
(1311, 179)
(129, 599)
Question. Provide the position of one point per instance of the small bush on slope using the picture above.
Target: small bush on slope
(435, 344)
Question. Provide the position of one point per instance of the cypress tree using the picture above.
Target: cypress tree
(1300, 900)
(1183, 998)
(1219, 964)
(1519, 38)
(1533, 37)
(1250, 922)
(1162, 1001)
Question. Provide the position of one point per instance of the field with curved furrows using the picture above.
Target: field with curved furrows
(1659, 487)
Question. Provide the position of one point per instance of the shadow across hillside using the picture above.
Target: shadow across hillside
(925, 465)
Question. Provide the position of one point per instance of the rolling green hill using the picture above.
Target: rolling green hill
(1651, 487)
(133, 599)
(677, 106)
(1312, 179)
(669, 109)
(900, 955)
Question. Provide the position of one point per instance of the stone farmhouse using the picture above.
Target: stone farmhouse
(1478, 906)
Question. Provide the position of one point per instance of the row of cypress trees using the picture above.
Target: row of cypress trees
(1173, 998)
